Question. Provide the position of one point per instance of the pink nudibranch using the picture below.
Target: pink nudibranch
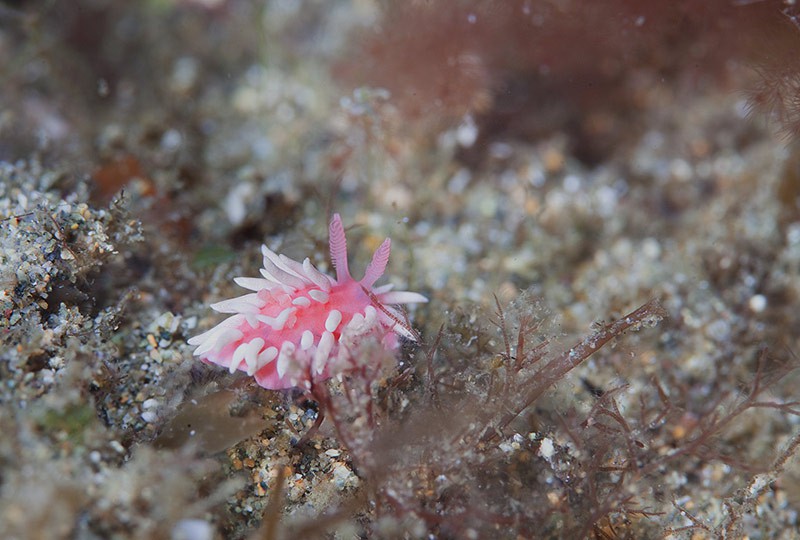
(295, 326)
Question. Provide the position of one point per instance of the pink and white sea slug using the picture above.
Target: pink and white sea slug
(299, 323)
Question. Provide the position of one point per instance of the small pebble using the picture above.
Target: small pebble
(757, 303)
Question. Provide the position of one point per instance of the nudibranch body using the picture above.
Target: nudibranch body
(297, 323)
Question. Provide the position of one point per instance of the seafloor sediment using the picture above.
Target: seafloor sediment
(147, 151)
